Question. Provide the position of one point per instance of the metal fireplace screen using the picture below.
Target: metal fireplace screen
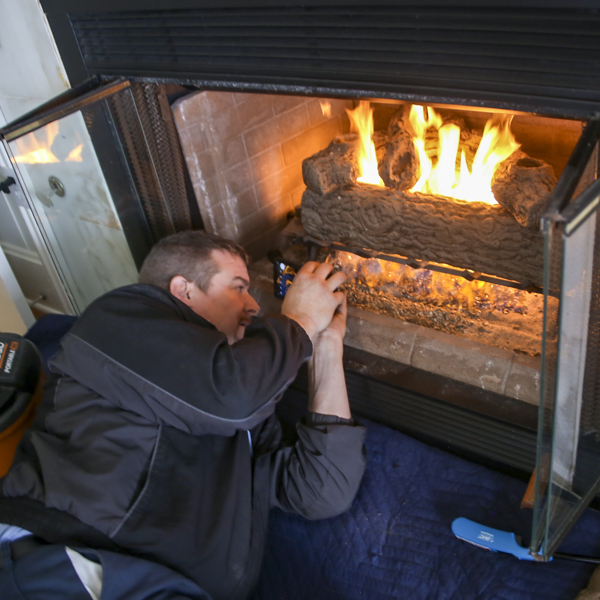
(148, 135)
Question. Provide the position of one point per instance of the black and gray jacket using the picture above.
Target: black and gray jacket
(161, 437)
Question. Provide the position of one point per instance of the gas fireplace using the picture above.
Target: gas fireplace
(444, 157)
(448, 266)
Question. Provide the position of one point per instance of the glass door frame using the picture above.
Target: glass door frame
(108, 147)
(109, 152)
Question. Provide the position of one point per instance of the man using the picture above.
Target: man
(158, 438)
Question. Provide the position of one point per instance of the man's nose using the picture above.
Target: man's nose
(252, 307)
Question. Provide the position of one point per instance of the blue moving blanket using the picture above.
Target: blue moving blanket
(396, 542)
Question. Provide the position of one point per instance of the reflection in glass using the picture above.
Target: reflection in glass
(74, 208)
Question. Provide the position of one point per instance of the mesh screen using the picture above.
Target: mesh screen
(163, 142)
(149, 139)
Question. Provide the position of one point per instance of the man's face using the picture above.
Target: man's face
(226, 304)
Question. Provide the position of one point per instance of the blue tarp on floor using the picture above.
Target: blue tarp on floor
(396, 542)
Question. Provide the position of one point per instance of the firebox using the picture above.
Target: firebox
(474, 308)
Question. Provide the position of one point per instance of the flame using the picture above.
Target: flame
(41, 155)
(325, 108)
(75, 154)
(421, 124)
(361, 121)
(474, 185)
(34, 148)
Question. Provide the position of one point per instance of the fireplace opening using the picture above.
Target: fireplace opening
(494, 314)
(449, 286)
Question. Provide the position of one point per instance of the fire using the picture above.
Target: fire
(75, 154)
(325, 108)
(34, 148)
(41, 155)
(421, 124)
(474, 185)
(361, 121)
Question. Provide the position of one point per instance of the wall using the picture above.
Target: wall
(244, 153)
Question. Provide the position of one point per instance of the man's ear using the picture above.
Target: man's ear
(180, 288)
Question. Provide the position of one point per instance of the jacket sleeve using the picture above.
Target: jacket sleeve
(320, 475)
(180, 371)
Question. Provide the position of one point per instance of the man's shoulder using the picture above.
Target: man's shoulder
(129, 318)
(137, 300)
(135, 293)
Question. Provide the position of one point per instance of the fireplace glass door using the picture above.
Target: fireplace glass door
(68, 196)
(568, 456)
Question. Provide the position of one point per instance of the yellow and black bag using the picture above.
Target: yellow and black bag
(20, 392)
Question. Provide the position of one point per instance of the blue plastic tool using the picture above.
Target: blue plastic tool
(489, 538)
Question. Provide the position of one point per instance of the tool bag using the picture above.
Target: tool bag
(20, 389)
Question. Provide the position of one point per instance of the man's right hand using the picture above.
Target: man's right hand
(312, 300)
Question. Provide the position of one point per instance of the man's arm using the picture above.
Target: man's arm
(320, 475)
(328, 394)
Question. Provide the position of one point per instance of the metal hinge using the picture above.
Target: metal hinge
(6, 183)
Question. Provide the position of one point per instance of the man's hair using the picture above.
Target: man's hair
(188, 254)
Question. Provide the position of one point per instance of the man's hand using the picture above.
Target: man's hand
(312, 300)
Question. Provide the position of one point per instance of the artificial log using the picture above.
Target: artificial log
(380, 141)
(471, 235)
(523, 185)
(331, 168)
(399, 167)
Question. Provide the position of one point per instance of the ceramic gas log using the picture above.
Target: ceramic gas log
(471, 235)
(432, 188)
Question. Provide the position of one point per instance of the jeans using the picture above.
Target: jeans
(47, 573)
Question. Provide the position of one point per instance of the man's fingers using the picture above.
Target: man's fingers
(336, 280)
(312, 299)
(323, 270)
(341, 299)
(309, 267)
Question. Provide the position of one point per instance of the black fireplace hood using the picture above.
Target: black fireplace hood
(516, 56)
